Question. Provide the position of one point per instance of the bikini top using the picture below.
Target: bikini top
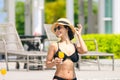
(74, 57)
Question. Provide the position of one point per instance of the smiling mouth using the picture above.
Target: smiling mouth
(59, 34)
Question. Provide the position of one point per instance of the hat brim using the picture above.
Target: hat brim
(57, 23)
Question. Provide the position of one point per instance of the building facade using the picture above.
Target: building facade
(109, 16)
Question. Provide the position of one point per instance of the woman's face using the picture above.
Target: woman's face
(60, 30)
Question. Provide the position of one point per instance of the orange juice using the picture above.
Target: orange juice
(61, 55)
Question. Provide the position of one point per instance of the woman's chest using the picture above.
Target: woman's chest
(67, 49)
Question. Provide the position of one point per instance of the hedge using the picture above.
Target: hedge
(109, 43)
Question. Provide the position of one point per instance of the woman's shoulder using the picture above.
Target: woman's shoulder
(53, 44)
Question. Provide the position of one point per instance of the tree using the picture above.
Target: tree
(20, 19)
(54, 10)
(83, 6)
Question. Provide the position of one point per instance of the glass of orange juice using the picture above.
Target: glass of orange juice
(3, 72)
(61, 55)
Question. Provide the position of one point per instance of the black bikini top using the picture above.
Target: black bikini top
(74, 57)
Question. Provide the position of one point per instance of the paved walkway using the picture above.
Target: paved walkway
(86, 73)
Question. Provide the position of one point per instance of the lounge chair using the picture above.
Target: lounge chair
(11, 45)
(96, 54)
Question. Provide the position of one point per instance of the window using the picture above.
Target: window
(108, 16)
(108, 27)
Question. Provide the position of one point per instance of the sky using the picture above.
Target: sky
(2, 14)
(1, 5)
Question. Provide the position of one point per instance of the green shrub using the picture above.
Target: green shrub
(109, 43)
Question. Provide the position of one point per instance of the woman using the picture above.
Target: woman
(64, 30)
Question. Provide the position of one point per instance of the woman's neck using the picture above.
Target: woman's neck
(65, 39)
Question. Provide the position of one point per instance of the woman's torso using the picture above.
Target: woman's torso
(66, 69)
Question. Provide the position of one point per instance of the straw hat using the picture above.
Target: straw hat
(63, 21)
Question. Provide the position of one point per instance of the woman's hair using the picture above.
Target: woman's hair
(70, 33)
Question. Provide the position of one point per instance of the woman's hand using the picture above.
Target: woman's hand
(58, 61)
(79, 29)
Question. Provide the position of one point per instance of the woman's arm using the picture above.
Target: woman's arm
(49, 61)
(81, 47)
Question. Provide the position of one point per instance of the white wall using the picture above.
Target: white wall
(101, 17)
(11, 11)
(70, 10)
(116, 16)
